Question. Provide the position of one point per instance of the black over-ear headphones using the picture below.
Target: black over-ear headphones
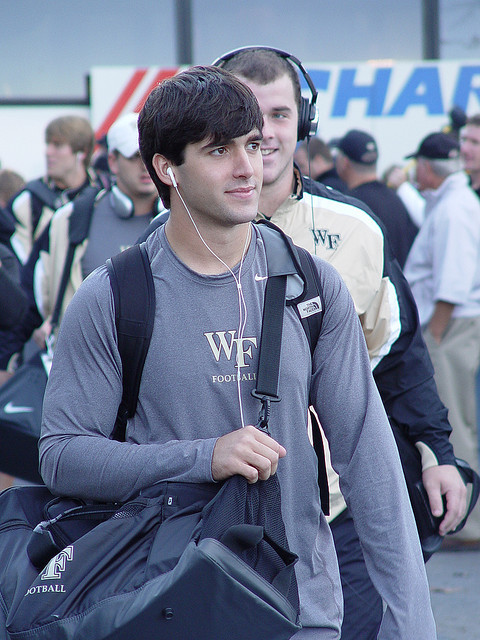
(308, 114)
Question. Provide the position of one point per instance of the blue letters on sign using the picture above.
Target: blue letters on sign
(465, 86)
(374, 93)
(423, 87)
(320, 79)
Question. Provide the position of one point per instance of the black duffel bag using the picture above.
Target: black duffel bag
(182, 561)
(21, 404)
(427, 523)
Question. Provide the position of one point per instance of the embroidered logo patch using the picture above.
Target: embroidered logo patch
(309, 307)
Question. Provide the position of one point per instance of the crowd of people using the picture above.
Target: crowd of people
(399, 263)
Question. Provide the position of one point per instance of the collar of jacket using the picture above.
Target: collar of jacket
(455, 180)
(298, 184)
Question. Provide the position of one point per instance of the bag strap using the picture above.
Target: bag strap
(78, 227)
(39, 189)
(280, 265)
(134, 299)
(286, 259)
(311, 311)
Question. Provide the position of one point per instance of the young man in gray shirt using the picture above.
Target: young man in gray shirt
(200, 135)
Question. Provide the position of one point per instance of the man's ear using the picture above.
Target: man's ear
(161, 166)
(112, 163)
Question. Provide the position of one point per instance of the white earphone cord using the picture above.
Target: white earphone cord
(242, 306)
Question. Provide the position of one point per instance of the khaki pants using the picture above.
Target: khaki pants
(456, 361)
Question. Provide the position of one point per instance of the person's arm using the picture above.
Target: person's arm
(404, 377)
(365, 456)
(440, 319)
(456, 225)
(414, 202)
(13, 340)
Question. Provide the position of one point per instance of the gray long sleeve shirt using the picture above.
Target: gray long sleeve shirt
(188, 398)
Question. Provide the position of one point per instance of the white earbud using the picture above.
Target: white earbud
(172, 177)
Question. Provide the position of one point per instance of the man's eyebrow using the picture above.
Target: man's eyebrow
(215, 143)
(255, 135)
(284, 108)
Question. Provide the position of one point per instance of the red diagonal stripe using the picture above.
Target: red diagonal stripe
(120, 103)
(161, 75)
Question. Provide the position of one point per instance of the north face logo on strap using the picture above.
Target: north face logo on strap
(309, 307)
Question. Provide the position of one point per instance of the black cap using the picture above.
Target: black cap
(437, 146)
(359, 146)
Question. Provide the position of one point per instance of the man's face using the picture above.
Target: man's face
(470, 148)
(62, 162)
(423, 174)
(221, 183)
(280, 124)
(131, 176)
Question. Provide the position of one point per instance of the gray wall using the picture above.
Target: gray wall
(47, 47)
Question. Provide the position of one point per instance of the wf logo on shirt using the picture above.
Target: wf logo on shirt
(225, 341)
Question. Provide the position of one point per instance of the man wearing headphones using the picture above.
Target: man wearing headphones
(116, 219)
(200, 138)
(343, 231)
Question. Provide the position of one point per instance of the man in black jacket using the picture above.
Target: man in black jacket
(357, 165)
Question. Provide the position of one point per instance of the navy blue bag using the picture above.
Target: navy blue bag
(189, 562)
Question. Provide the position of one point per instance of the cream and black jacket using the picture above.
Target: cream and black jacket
(344, 232)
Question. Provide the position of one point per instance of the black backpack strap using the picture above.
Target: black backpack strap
(280, 264)
(134, 299)
(310, 310)
(322, 476)
(42, 191)
(270, 347)
(42, 196)
(286, 259)
(81, 216)
(78, 226)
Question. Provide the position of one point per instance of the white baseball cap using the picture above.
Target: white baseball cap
(123, 135)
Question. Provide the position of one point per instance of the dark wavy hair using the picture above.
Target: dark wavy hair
(201, 103)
